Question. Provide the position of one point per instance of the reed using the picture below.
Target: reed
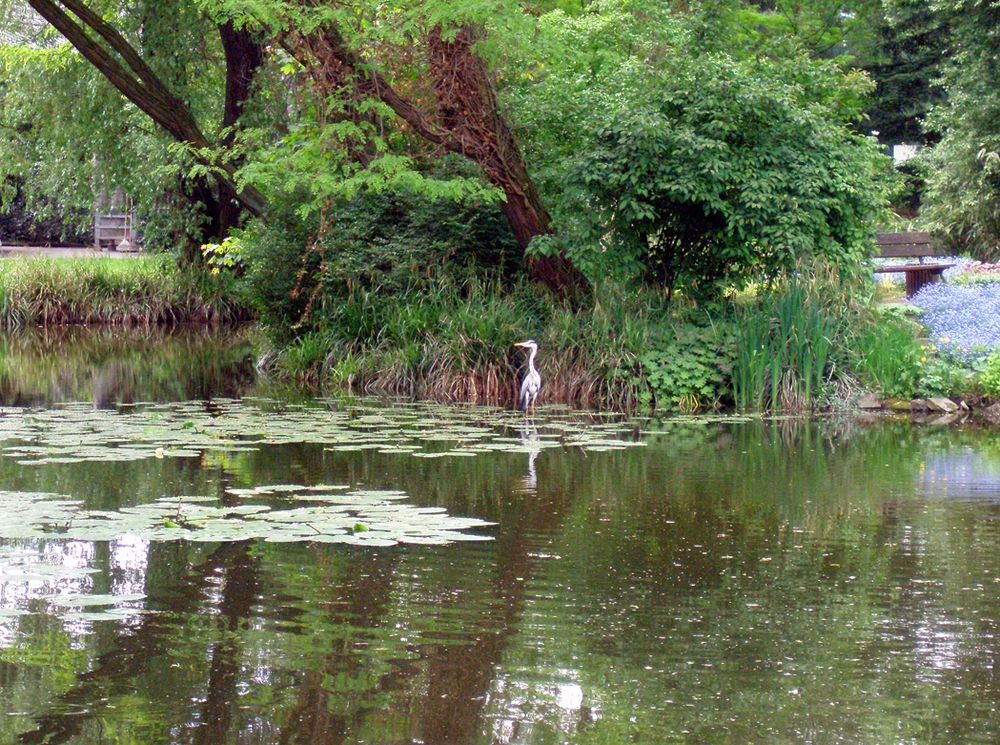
(786, 342)
(140, 291)
(454, 342)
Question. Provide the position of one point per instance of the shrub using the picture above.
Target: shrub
(890, 358)
(693, 370)
(946, 376)
(731, 173)
(387, 242)
(990, 378)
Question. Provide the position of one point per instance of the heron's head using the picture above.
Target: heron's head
(530, 344)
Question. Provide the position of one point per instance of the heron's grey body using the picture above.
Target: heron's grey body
(532, 382)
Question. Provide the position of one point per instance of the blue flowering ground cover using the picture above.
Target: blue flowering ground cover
(962, 319)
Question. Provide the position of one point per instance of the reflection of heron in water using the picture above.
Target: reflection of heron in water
(532, 446)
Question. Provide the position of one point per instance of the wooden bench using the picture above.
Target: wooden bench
(909, 246)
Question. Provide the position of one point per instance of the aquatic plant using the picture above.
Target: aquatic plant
(280, 513)
(962, 320)
(453, 341)
(785, 345)
(76, 433)
(889, 358)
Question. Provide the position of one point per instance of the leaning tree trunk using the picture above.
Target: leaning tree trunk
(468, 109)
(466, 120)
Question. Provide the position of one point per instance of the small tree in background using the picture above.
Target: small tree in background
(735, 171)
(962, 201)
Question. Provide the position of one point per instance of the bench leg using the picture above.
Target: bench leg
(917, 279)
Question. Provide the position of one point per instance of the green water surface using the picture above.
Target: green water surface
(190, 555)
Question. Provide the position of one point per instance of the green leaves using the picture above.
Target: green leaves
(692, 371)
(731, 172)
(963, 170)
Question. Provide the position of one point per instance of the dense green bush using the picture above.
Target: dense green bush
(732, 171)
(947, 376)
(962, 201)
(386, 242)
(990, 378)
(889, 357)
(38, 223)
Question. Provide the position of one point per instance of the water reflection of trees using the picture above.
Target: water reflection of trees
(120, 366)
(736, 583)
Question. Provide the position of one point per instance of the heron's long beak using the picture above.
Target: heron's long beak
(520, 344)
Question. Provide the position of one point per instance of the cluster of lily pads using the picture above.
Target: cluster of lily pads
(76, 432)
(278, 513)
(324, 513)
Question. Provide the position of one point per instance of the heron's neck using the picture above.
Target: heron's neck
(531, 361)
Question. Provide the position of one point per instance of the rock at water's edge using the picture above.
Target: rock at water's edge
(991, 414)
(942, 404)
(870, 402)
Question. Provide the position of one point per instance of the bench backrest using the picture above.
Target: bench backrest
(901, 245)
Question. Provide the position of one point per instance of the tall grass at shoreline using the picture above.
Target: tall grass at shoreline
(141, 291)
(785, 349)
(455, 342)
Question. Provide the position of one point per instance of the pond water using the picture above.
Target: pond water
(190, 556)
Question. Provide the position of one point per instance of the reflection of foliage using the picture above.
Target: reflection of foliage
(121, 366)
(727, 580)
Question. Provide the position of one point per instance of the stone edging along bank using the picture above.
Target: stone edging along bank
(937, 410)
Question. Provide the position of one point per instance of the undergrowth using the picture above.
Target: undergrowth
(454, 342)
(624, 348)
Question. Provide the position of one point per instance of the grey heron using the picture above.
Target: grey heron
(532, 382)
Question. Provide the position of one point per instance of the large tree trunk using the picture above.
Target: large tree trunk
(466, 120)
(244, 57)
(217, 200)
(468, 108)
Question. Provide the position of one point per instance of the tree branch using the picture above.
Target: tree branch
(371, 82)
(139, 84)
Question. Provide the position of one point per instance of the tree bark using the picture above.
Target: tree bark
(467, 121)
(244, 57)
(468, 108)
